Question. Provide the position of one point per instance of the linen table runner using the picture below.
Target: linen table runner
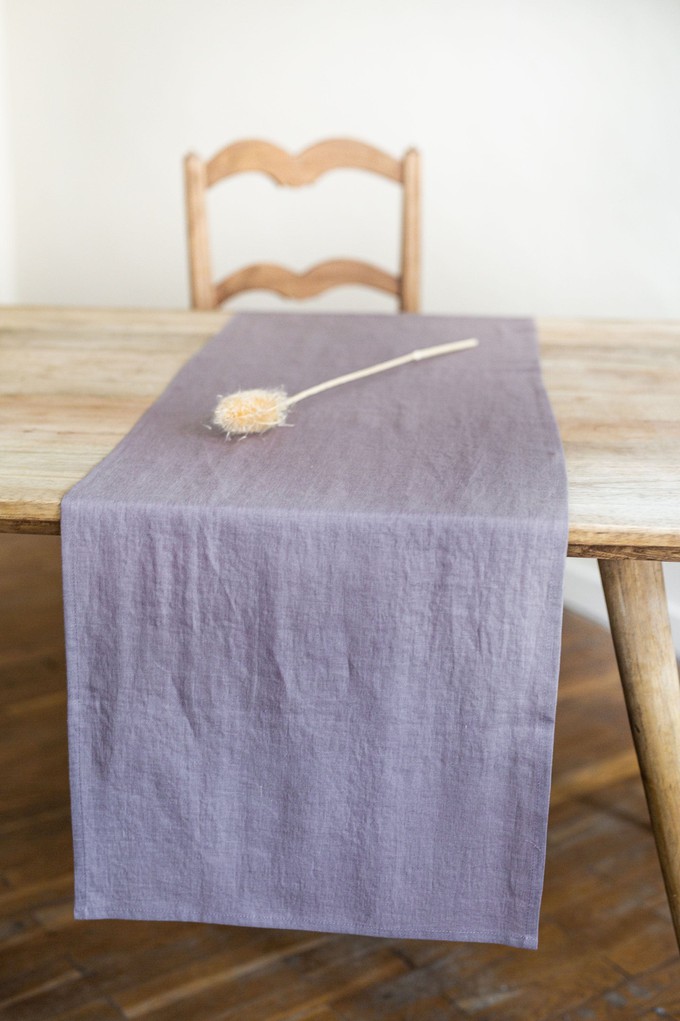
(312, 674)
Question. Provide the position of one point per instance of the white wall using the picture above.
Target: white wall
(7, 281)
(549, 132)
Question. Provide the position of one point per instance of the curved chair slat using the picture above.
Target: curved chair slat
(322, 277)
(295, 170)
(303, 168)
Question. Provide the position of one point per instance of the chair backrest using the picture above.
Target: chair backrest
(295, 171)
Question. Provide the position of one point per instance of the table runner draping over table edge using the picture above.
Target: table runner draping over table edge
(312, 675)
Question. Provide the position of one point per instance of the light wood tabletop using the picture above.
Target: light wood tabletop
(73, 382)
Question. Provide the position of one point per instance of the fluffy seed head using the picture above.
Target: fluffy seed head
(251, 411)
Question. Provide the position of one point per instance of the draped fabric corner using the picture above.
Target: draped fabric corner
(312, 674)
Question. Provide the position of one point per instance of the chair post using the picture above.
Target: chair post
(410, 238)
(202, 288)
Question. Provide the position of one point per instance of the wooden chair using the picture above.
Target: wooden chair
(295, 171)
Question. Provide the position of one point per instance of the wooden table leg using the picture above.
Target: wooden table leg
(638, 614)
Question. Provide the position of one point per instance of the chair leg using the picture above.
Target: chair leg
(638, 614)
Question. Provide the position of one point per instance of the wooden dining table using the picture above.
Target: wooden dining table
(73, 381)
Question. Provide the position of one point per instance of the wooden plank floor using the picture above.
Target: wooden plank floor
(606, 943)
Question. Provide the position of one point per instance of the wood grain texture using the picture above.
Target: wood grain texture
(606, 948)
(638, 613)
(325, 275)
(410, 234)
(195, 181)
(302, 168)
(295, 171)
(74, 381)
(615, 391)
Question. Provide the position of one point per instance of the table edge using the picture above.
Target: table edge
(594, 545)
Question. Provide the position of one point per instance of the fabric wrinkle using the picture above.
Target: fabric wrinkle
(312, 674)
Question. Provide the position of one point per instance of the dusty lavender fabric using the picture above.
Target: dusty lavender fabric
(312, 674)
